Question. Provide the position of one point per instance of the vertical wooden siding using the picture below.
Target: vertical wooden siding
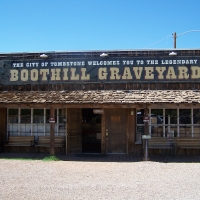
(116, 124)
(74, 130)
(3, 114)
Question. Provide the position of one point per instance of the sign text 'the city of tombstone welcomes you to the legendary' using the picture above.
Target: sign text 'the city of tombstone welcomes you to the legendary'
(121, 69)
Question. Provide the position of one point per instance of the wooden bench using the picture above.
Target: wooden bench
(160, 143)
(20, 141)
(44, 141)
(163, 143)
(174, 143)
(188, 143)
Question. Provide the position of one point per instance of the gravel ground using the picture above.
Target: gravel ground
(20, 179)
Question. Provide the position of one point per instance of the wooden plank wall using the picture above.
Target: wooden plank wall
(3, 114)
(74, 130)
(116, 127)
(102, 86)
(131, 130)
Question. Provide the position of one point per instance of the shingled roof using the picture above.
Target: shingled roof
(101, 97)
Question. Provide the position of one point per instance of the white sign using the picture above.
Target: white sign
(146, 137)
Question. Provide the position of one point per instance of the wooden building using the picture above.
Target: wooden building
(100, 102)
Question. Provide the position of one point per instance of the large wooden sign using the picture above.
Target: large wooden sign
(167, 69)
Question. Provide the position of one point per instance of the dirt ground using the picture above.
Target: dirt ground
(36, 179)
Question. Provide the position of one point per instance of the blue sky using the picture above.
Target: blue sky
(72, 25)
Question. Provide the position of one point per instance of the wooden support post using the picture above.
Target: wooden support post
(66, 136)
(127, 129)
(52, 132)
(3, 136)
(131, 127)
(103, 133)
(146, 133)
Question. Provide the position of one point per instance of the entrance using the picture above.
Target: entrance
(91, 131)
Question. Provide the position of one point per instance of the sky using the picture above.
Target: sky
(87, 25)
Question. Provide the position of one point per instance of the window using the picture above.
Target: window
(170, 123)
(140, 124)
(35, 122)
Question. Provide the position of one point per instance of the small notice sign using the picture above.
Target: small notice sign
(51, 120)
(115, 118)
(146, 137)
(98, 111)
(145, 119)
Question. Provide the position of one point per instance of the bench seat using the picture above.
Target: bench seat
(44, 141)
(164, 143)
(174, 144)
(160, 143)
(188, 143)
(20, 141)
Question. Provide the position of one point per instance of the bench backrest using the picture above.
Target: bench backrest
(176, 140)
(21, 139)
(188, 141)
(160, 140)
(46, 139)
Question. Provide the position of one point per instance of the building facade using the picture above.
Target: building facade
(98, 100)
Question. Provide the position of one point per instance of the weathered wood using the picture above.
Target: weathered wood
(97, 105)
(103, 133)
(131, 130)
(3, 114)
(173, 143)
(188, 143)
(20, 141)
(146, 112)
(104, 86)
(116, 126)
(55, 105)
(45, 142)
(52, 132)
(162, 145)
(127, 130)
(74, 130)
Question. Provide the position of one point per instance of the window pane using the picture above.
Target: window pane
(140, 125)
(47, 115)
(62, 116)
(185, 116)
(13, 116)
(140, 115)
(139, 133)
(156, 116)
(13, 112)
(196, 113)
(171, 116)
(196, 121)
(38, 116)
(185, 121)
(25, 115)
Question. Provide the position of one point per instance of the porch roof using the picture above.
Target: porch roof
(101, 97)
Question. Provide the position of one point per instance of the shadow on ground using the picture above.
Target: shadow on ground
(104, 158)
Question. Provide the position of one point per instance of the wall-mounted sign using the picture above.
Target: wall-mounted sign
(115, 118)
(98, 111)
(145, 119)
(146, 137)
(127, 69)
(51, 120)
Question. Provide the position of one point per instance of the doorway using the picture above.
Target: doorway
(91, 131)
